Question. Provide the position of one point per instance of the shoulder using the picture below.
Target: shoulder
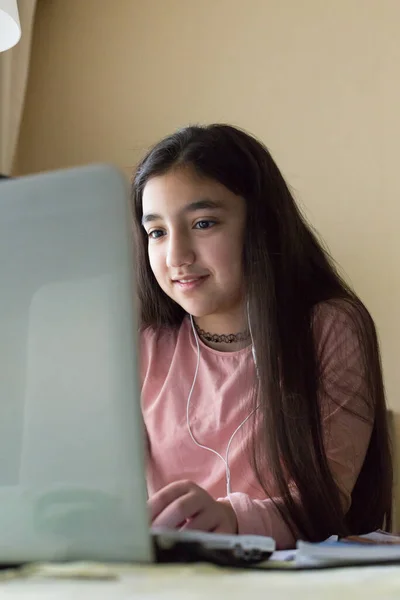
(340, 311)
(342, 319)
(157, 346)
(156, 340)
(343, 329)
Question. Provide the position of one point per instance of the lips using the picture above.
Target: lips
(189, 283)
(189, 279)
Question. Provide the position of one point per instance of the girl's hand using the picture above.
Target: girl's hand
(185, 505)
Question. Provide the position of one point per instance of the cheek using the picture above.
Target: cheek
(226, 255)
(156, 263)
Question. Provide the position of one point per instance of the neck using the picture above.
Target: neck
(224, 323)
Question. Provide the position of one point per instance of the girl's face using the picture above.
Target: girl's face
(195, 229)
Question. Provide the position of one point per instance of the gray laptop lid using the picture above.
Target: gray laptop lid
(71, 453)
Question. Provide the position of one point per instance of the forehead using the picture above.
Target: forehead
(172, 192)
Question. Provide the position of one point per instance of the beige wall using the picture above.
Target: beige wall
(317, 80)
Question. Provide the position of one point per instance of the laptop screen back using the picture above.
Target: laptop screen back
(71, 445)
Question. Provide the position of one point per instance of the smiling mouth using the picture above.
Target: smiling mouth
(189, 282)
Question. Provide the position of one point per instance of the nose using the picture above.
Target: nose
(180, 251)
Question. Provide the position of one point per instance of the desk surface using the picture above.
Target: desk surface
(207, 582)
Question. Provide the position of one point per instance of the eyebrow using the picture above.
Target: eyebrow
(204, 204)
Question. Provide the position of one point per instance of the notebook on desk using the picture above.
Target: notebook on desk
(72, 484)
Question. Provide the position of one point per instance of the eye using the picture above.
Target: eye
(155, 234)
(204, 224)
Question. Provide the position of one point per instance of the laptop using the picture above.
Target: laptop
(72, 480)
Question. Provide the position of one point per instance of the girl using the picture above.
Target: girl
(262, 388)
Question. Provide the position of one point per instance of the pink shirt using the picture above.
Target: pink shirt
(222, 399)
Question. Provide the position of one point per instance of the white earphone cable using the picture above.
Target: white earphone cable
(226, 459)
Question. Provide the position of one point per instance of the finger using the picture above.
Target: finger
(203, 521)
(181, 509)
(163, 498)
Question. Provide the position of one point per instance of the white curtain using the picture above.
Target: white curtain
(14, 68)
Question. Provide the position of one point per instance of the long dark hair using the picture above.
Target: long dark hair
(288, 274)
